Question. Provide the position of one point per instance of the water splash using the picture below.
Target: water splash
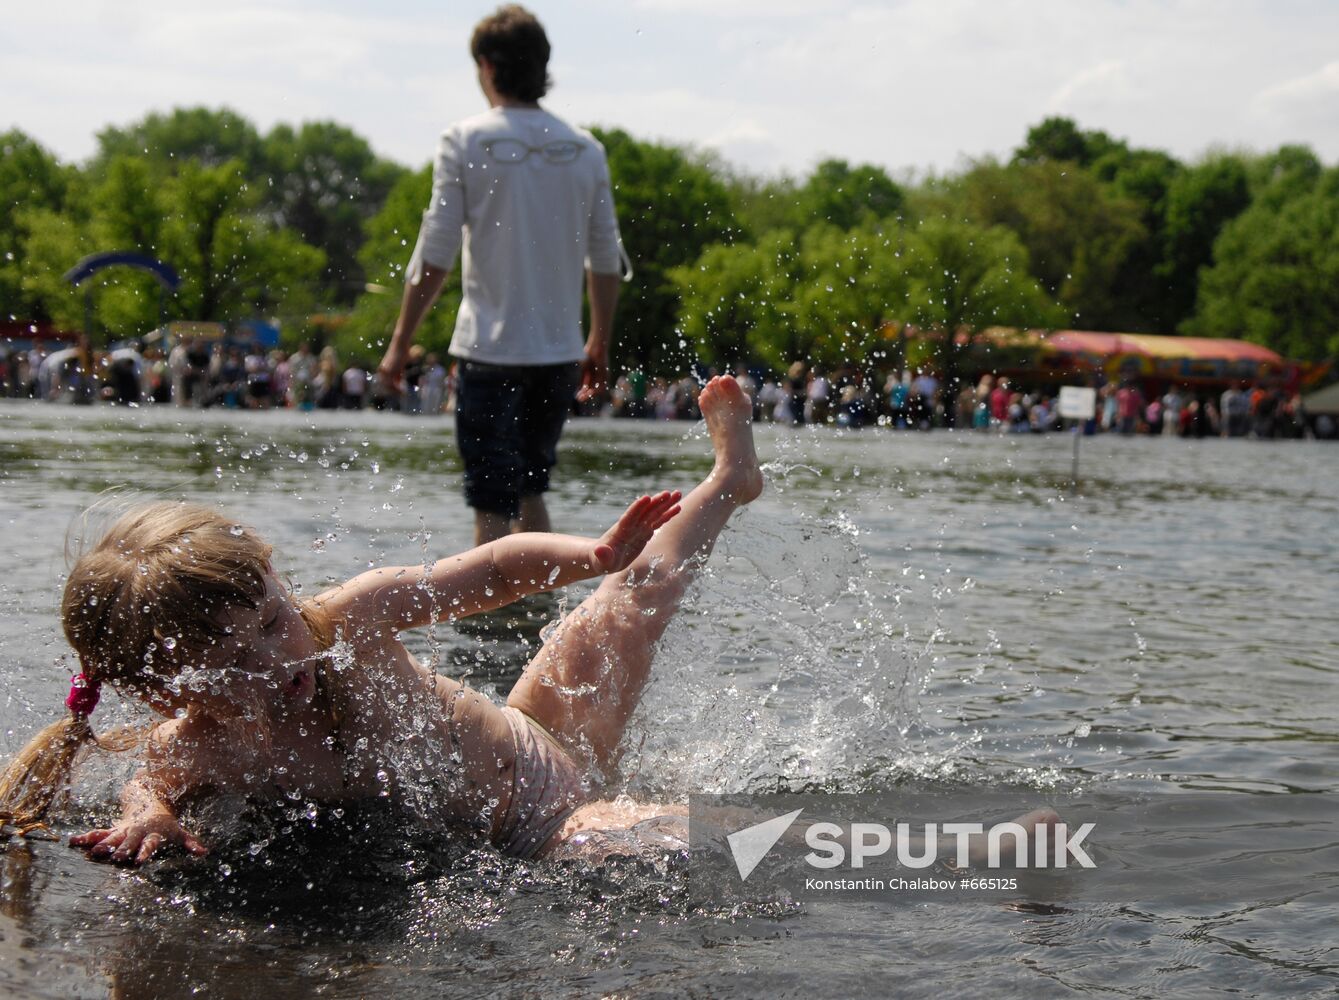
(814, 617)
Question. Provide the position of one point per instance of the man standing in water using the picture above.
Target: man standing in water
(529, 197)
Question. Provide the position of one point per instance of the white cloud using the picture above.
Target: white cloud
(740, 131)
(776, 83)
(1301, 109)
(1097, 84)
(1322, 85)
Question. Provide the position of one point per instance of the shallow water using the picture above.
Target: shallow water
(899, 611)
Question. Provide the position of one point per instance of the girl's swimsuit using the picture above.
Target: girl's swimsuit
(547, 787)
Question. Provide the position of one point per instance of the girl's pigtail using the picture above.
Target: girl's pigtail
(36, 776)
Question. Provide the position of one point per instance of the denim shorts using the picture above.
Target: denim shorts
(508, 422)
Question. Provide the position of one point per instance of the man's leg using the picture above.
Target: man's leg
(586, 681)
(488, 433)
(534, 514)
(549, 391)
(489, 527)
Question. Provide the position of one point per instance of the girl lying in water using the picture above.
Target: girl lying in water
(179, 607)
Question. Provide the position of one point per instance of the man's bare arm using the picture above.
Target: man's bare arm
(417, 300)
(602, 289)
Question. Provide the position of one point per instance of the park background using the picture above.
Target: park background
(792, 182)
(305, 226)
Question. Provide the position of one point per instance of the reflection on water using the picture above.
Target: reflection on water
(898, 612)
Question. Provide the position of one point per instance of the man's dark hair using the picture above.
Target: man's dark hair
(514, 43)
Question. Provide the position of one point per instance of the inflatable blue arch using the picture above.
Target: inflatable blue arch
(168, 279)
(93, 263)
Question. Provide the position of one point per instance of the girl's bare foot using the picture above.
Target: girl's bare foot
(728, 412)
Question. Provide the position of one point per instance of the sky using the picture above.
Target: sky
(771, 86)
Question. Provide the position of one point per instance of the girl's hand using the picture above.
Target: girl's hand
(622, 543)
(133, 842)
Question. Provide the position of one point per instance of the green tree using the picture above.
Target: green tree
(823, 297)
(830, 296)
(391, 235)
(962, 278)
(205, 222)
(762, 205)
(32, 182)
(210, 137)
(845, 196)
(52, 243)
(737, 303)
(1079, 233)
(324, 182)
(1284, 174)
(233, 263)
(1201, 200)
(1275, 273)
(123, 211)
(853, 283)
(1060, 140)
(128, 213)
(671, 206)
(835, 193)
(1141, 294)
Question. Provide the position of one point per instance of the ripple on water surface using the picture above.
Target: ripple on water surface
(899, 610)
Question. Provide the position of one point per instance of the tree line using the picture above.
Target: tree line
(1075, 229)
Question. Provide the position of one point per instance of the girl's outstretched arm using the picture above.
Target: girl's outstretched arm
(148, 814)
(494, 575)
(147, 822)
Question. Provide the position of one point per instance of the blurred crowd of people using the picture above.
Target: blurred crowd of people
(804, 395)
(1241, 410)
(917, 400)
(199, 373)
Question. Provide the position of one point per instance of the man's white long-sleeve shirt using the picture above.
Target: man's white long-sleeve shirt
(528, 198)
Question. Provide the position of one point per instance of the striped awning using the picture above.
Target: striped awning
(1110, 345)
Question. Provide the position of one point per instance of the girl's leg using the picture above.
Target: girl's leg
(586, 681)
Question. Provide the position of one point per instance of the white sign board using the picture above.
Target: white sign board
(1077, 402)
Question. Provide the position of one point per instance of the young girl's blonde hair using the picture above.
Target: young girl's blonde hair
(152, 590)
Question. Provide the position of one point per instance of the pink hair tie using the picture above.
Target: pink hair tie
(83, 696)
